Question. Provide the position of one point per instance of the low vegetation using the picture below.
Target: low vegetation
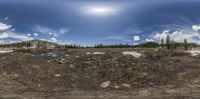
(164, 43)
(167, 69)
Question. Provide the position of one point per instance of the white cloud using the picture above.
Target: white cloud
(8, 34)
(133, 30)
(149, 40)
(136, 38)
(114, 37)
(44, 39)
(29, 34)
(35, 34)
(54, 39)
(178, 36)
(4, 26)
(196, 27)
(161, 35)
(6, 18)
(50, 33)
(21, 37)
(135, 43)
(64, 30)
(46, 30)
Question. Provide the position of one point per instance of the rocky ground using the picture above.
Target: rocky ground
(101, 73)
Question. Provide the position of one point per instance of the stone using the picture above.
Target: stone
(105, 84)
(71, 66)
(57, 75)
(126, 85)
(117, 87)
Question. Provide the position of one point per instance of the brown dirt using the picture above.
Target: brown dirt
(159, 74)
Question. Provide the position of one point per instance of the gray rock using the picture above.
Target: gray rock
(105, 84)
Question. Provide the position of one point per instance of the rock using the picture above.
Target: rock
(105, 84)
(87, 62)
(54, 55)
(35, 66)
(57, 75)
(98, 53)
(16, 75)
(61, 61)
(39, 85)
(133, 63)
(126, 85)
(48, 61)
(71, 66)
(4, 73)
(144, 92)
(88, 53)
(117, 87)
(94, 66)
(151, 84)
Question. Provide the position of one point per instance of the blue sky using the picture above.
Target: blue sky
(89, 22)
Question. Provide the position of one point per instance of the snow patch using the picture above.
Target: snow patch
(98, 53)
(193, 52)
(87, 53)
(132, 53)
(6, 51)
(95, 53)
(126, 85)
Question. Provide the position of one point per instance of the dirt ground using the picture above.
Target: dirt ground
(83, 74)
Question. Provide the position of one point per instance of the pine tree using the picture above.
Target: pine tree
(185, 44)
(168, 41)
(162, 42)
(173, 44)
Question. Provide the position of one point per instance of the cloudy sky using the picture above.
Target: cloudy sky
(89, 22)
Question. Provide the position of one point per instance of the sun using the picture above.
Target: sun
(100, 11)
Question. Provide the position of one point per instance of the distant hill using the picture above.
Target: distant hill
(41, 44)
(33, 44)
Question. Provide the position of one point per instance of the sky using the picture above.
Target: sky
(90, 22)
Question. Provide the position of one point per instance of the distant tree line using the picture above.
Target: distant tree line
(27, 44)
(70, 46)
(167, 43)
(113, 46)
(171, 44)
(148, 45)
(15, 45)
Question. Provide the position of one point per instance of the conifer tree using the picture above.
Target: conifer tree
(162, 42)
(168, 41)
(173, 44)
(185, 44)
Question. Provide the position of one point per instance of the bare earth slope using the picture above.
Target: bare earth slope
(157, 74)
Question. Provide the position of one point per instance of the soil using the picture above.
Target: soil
(157, 74)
